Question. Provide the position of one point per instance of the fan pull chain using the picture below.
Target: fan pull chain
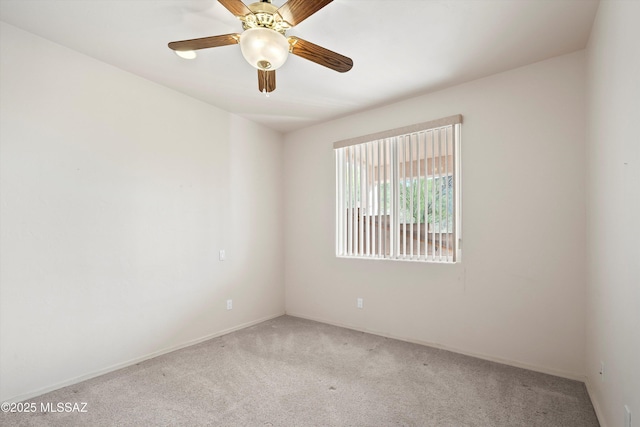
(264, 88)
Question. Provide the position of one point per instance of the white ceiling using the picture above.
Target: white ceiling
(399, 48)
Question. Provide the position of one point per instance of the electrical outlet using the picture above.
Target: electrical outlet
(223, 254)
(627, 416)
(360, 302)
(229, 304)
(601, 371)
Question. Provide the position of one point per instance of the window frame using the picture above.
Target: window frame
(390, 141)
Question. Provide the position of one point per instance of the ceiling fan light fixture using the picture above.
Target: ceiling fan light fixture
(186, 54)
(263, 42)
(263, 48)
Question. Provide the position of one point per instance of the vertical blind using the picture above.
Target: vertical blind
(398, 193)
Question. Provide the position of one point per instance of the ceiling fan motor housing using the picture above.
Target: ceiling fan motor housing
(264, 15)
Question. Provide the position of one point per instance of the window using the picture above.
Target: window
(398, 194)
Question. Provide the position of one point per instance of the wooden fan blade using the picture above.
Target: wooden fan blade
(236, 7)
(205, 42)
(267, 80)
(296, 11)
(320, 55)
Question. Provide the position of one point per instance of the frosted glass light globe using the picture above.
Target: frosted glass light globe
(263, 48)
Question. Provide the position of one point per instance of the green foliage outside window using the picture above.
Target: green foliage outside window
(439, 196)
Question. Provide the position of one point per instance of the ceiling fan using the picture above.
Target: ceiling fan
(263, 42)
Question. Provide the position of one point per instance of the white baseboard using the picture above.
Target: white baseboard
(595, 403)
(131, 362)
(544, 370)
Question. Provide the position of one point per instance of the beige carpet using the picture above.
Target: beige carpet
(294, 372)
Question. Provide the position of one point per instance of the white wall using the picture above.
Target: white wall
(519, 293)
(613, 231)
(116, 195)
